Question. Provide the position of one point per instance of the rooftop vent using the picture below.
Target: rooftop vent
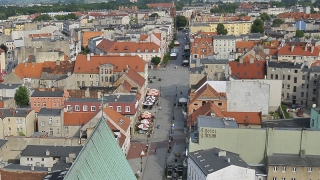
(206, 165)
(199, 156)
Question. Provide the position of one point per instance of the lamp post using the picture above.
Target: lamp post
(141, 154)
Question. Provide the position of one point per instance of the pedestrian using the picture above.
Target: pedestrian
(155, 150)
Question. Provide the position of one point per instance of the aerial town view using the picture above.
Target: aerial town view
(159, 90)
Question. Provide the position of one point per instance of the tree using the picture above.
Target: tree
(42, 17)
(276, 22)
(221, 29)
(22, 96)
(257, 26)
(154, 15)
(299, 33)
(4, 47)
(265, 17)
(181, 21)
(156, 60)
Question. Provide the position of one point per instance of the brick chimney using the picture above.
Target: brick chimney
(2, 112)
(14, 112)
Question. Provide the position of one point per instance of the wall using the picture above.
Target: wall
(81, 104)
(194, 171)
(16, 175)
(8, 92)
(263, 142)
(28, 160)
(301, 173)
(30, 123)
(233, 172)
(244, 99)
(56, 125)
(275, 92)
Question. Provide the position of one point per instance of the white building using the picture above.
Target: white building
(216, 164)
(224, 47)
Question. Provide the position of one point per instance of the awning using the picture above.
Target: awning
(183, 100)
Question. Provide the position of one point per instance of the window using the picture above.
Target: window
(58, 131)
(127, 108)
(27, 159)
(77, 107)
(302, 94)
(219, 104)
(43, 123)
(283, 178)
(293, 178)
(9, 121)
(271, 76)
(294, 89)
(54, 104)
(302, 86)
(50, 120)
(66, 129)
(295, 80)
(276, 76)
(309, 169)
(303, 77)
(51, 131)
(42, 159)
(118, 108)
(274, 178)
(93, 108)
(57, 121)
(85, 108)
(58, 104)
(44, 104)
(284, 169)
(34, 104)
(31, 159)
(275, 168)
(289, 77)
(9, 129)
(69, 107)
(295, 71)
(288, 86)
(111, 107)
(17, 129)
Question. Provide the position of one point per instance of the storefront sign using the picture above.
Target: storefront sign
(208, 133)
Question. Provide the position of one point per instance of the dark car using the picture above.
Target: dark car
(300, 113)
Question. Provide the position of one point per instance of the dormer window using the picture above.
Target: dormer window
(126, 48)
(138, 50)
(146, 50)
(116, 48)
(153, 50)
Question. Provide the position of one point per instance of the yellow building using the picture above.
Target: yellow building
(16, 27)
(234, 27)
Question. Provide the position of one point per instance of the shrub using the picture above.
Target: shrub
(154, 77)
(151, 81)
(159, 79)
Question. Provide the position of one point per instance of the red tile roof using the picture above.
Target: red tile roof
(160, 5)
(254, 70)
(39, 35)
(137, 78)
(245, 117)
(316, 63)
(51, 67)
(299, 50)
(205, 88)
(199, 41)
(204, 110)
(120, 63)
(127, 47)
(29, 70)
(77, 118)
(143, 37)
(117, 118)
(89, 34)
(299, 15)
(246, 44)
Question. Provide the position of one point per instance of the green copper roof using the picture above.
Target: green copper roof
(101, 158)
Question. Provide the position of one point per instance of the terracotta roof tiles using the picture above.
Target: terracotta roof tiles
(77, 118)
(89, 34)
(28, 70)
(117, 118)
(51, 67)
(299, 50)
(133, 75)
(246, 44)
(127, 47)
(120, 63)
(255, 70)
(245, 117)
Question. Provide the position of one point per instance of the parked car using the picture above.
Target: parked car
(300, 113)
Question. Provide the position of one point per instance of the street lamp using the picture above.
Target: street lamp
(141, 154)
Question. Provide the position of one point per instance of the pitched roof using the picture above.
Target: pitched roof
(245, 117)
(55, 151)
(127, 47)
(82, 65)
(117, 118)
(299, 50)
(246, 44)
(158, 35)
(255, 70)
(201, 82)
(299, 15)
(316, 63)
(28, 70)
(47, 93)
(137, 78)
(205, 110)
(163, 5)
(100, 148)
(143, 37)
(89, 34)
(200, 41)
(214, 93)
(77, 118)
(51, 67)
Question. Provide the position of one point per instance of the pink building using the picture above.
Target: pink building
(82, 105)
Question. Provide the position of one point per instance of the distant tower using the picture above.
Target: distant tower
(270, 3)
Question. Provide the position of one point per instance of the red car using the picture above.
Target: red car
(300, 113)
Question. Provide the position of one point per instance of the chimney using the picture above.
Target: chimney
(88, 57)
(58, 62)
(312, 48)
(10, 85)
(49, 169)
(305, 48)
(302, 153)
(32, 64)
(222, 153)
(2, 112)
(47, 152)
(251, 60)
(101, 54)
(32, 168)
(292, 47)
(25, 63)
(228, 159)
(14, 112)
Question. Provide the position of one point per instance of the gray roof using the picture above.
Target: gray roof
(56, 175)
(287, 123)
(224, 37)
(83, 100)
(55, 151)
(3, 142)
(20, 112)
(289, 65)
(49, 112)
(47, 94)
(211, 60)
(311, 69)
(209, 160)
(120, 98)
(294, 160)
(9, 86)
(215, 122)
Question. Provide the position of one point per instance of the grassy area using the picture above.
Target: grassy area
(285, 113)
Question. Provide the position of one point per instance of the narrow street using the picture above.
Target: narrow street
(173, 85)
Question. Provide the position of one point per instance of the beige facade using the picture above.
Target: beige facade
(7, 102)
(17, 122)
(51, 122)
(293, 172)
